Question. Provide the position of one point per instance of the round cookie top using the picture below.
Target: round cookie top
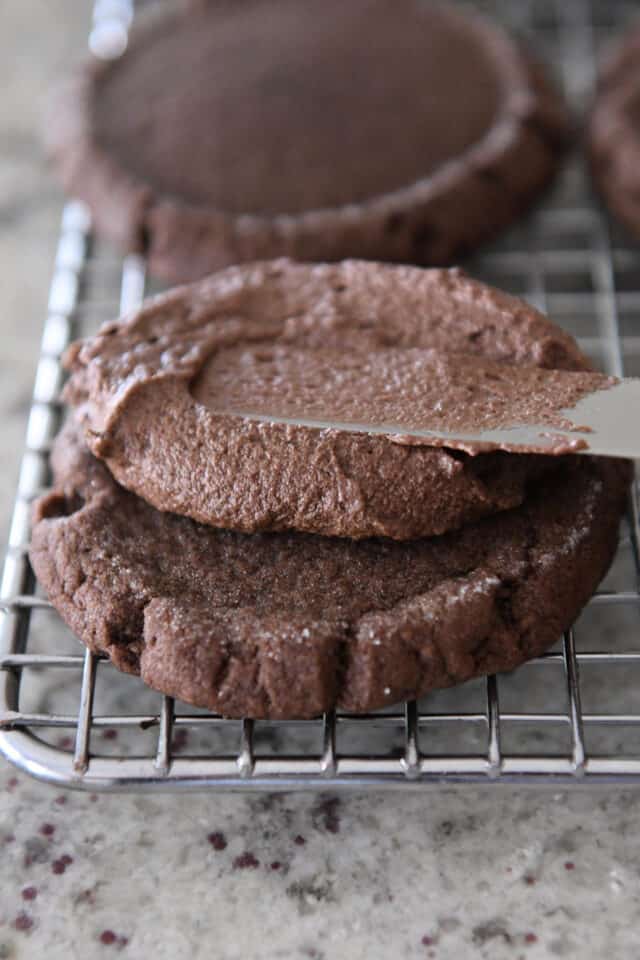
(264, 128)
(614, 133)
(296, 97)
(156, 394)
(289, 625)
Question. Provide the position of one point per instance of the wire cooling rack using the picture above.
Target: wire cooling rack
(569, 717)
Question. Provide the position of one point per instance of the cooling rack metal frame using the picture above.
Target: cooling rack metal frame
(414, 762)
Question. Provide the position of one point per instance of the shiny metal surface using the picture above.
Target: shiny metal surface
(569, 718)
(608, 421)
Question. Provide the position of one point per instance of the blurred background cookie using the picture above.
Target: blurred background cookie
(228, 132)
(614, 134)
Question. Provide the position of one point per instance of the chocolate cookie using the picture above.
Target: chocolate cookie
(148, 391)
(290, 625)
(384, 129)
(614, 135)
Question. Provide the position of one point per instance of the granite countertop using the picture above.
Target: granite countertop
(474, 873)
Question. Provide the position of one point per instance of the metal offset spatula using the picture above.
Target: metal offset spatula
(461, 403)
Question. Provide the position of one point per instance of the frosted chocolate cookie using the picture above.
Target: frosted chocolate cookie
(156, 394)
(289, 625)
(383, 129)
(614, 135)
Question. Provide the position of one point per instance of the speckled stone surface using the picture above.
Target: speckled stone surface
(495, 873)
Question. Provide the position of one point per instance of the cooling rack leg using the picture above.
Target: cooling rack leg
(575, 707)
(411, 760)
(245, 753)
(163, 754)
(493, 716)
(328, 761)
(83, 731)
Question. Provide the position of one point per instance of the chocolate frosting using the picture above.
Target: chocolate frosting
(145, 388)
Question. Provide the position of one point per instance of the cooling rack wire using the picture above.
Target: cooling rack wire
(570, 717)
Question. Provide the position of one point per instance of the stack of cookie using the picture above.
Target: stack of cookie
(267, 570)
